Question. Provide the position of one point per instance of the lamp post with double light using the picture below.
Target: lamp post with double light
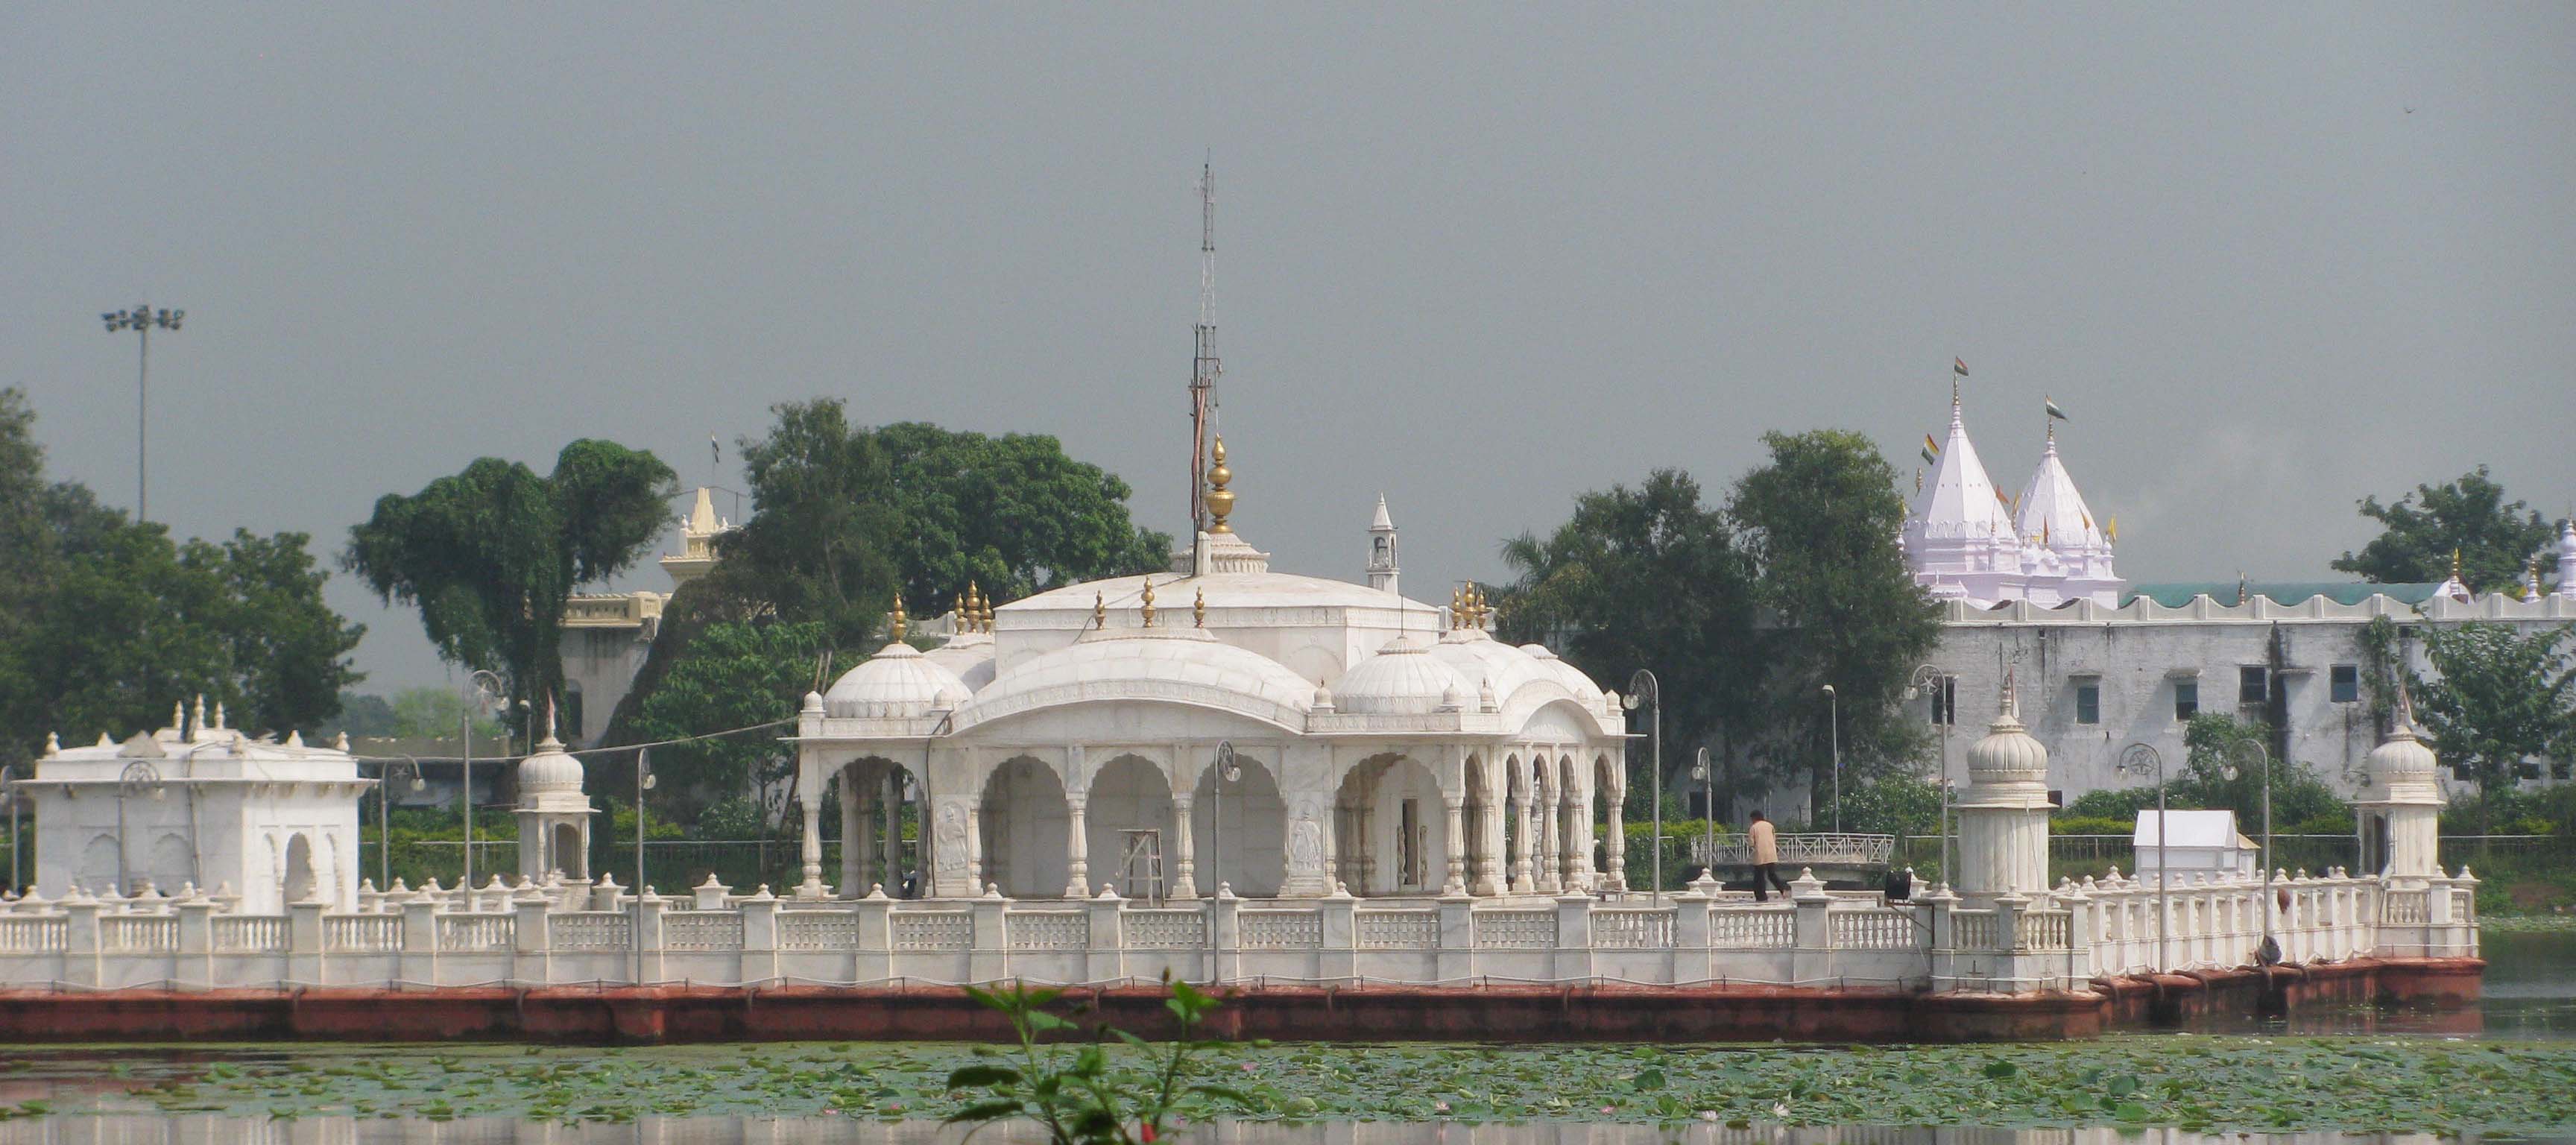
(1227, 769)
(482, 690)
(1929, 679)
(2243, 754)
(142, 320)
(1643, 683)
(2143, 759)
(1707, 777)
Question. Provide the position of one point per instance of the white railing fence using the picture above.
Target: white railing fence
(562, 933)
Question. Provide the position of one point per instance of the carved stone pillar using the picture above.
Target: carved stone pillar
(1077, 845)
(1521, 844)
(812, 851)
(1185, 882)
(1615, 848)
(1456, 882)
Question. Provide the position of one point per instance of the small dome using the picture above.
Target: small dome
(1402, 679)
(550, 770)
(896, 683)
(2008, 753)
(2401, 756)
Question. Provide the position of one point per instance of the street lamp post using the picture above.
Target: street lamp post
(138, 776)
(385, 813)
(141, 320)
(1834, 717)
(1707, 777)
(1930, 678)
(1643, 683)
(645, 781)
(1226, 769)
(2140, 759)
(2243, 754)
(9, 795)
(483, 688)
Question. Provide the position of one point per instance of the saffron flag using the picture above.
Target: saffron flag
(1931, 450)
(2053, 411)
(1959, 366)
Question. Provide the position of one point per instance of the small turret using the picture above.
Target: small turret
(1382, 565)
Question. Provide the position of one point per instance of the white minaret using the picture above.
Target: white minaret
(554, 815)
(2003, 813)
(2567, 559)
(2054, 521)
(1959, 537)
(2402, 817)
(1382, 568)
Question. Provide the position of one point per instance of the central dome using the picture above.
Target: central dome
(896, 683)
(1402, 679)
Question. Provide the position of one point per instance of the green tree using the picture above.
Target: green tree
(848, 515)
(1643, 577)
(2469, 516)
(1819, 523)
(364, 714)
(734, 676)
(2210, 741)
(105, 622)
(432, 712)
(2499, 700)
(489, 554)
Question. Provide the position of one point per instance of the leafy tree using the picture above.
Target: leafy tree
(734, 676)
(489, 554)
(847, 515)
(2499, 699)
(364, 714)
(2298, 795)
(1644, 577)
(2421, 530)
(104, 622)
(1819, 523)
(435, 713)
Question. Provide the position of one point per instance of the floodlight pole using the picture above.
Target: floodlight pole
(1643, 683)
(1834, 717)
(2261, 757)
(141, 320)
(2140, 758)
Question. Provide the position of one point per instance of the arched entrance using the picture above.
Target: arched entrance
(1025, 823)
(880, 828)
(1395, 828)
(298, 883)
(1239, 829)
(1129, 794)
(565, 852)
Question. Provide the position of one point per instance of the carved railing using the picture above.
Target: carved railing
(250, 934)
(1807, 849)
(362, 933)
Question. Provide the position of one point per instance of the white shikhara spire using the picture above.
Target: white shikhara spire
(2567, 559)
(1965, 541)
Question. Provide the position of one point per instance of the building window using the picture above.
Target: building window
(2253, 684)
(1945, 702)
(2344, 684)
(2088, 703)
(2186, 699)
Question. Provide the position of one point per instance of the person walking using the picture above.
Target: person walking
(1766, 858)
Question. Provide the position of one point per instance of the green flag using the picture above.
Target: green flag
(2053, 411)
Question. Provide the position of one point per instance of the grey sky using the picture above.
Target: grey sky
(1478, 258)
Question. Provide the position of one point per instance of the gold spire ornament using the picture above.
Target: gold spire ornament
(1099, 611)
(1149, 602)
(965, 615)
(986, 619)
(1198, 610)
(1220, 500)
(2455, 564)
(974, 607)
(896, 623)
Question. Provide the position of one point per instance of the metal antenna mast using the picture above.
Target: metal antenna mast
(1204, 367)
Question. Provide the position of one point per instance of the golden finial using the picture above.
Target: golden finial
(2112, 531)
(987, 614)
(1099, 611)
(1220, 500)
(1148, 593)
(2455, 564)
(1482, 611)
(1458, 606)
(974, 607)
(895, 621)
(1198, 610)
(965, 618)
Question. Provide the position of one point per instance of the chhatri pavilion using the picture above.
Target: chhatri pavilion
(1217, 728)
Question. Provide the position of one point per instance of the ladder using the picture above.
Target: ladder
(1143, 849)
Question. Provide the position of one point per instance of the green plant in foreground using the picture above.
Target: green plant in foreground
(1074, 1093)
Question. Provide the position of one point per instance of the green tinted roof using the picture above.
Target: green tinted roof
(2176, 594)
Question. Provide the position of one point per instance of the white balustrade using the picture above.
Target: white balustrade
(1753, 928)
(1399, 929)
(1166, 929)
(476, 933)
(929, 930)
(248, 934)
(1627, 929)
(138, 934)
(818, 930)
(34, 934)
(1048, 929)
(592, 929)
(703, 930)
(360, 933)
(1516, 929)
(1874, 929)
(1281, 929)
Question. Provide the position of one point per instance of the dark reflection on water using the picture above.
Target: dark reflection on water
(137, 1129)
(2529, 995)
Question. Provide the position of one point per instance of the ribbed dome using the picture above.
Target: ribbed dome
(549, 771)
(2008, 753)
(1187, 665)
(1402, 679)
(896, 683)
(1560, 671)
(2401, 767)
